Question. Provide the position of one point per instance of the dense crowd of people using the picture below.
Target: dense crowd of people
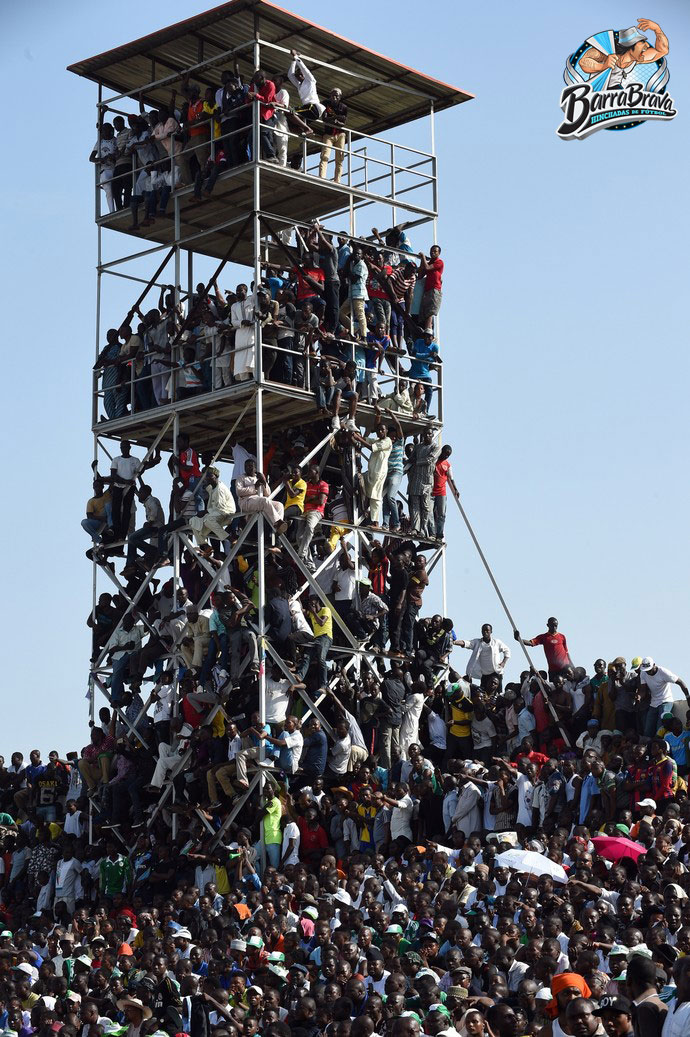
(406, 841)
(346, 320)
(142, 157)
(334, 302)
(440, 851)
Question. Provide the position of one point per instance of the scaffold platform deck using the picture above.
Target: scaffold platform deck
(209, 417)
(291, 197)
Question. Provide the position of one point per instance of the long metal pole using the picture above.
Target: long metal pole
(504, 604)
(94, 419)
(258, 376)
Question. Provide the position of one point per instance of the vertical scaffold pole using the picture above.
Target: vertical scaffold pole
(258, 374)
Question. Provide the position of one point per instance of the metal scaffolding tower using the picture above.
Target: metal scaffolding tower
(256, 210)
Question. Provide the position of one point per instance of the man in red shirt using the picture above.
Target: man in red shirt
(314, 507)
(196, 122)
(432, 268)
(310, 282)
(663, 773)
(313, 838)
(443, 474)
(528, 752)
(185, 463)
(263, 90)
(554, 644)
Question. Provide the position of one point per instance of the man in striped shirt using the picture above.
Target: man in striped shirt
(401, 283)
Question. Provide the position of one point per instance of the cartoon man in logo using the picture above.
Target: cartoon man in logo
(615, 80)
(631, 49)
(611, 60)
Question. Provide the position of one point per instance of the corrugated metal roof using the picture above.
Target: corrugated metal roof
(380, 93)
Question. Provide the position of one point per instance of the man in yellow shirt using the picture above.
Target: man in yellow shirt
(99, 513)
(295, 493)
(321, 619)
(460, 728)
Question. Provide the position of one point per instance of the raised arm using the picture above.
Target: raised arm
(394, 419)
(660, 48)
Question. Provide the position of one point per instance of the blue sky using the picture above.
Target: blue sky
(564, 335)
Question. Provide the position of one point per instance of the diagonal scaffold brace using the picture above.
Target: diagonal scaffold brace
(504, 605)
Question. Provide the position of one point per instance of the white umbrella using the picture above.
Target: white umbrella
(532, 863)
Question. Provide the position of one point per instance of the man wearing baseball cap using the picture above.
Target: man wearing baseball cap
(659, 684)
(616, 1015)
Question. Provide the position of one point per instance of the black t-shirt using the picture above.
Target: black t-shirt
(334, 116)
(393, 697)
(165, 996)
(48, 789)
(399, 579)
(278, 617)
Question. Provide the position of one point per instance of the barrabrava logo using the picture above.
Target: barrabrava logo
(616, 80)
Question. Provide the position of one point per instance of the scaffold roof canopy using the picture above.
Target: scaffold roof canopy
(380, 93)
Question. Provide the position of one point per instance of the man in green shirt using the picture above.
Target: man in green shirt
(273, 836)
(115, 872)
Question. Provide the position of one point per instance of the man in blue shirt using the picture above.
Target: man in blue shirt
(344, 252)
(423, 354)
(314, 753)
(254, 751)
(676, 737)
(274, 282)
(36, 767)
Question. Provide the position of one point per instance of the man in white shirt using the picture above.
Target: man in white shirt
(220, 508)
(339, 756)
(468, 811)
(240, 456)
(242, 319)
(591, 738)
(305, 83)
(401, 814)
(525, 792)
(154, 519)
(104, 154)
(169, 758)
(290, 744)
(123, 472)
(377, 974)
(163, 696)
(677, 1021)
(289, 853)
(660, 683)
(196, 638)
(74, 819)
(483, 734)
(278, 692)
(67, 871)
(282, 100)
(123, 642)
(489, 655)
(91, 1017)
(438, 734)
(358, 747)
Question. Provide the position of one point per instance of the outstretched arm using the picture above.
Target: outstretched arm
(660, 48)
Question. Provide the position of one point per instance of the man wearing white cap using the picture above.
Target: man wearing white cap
(660, 683)
(633, 48)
